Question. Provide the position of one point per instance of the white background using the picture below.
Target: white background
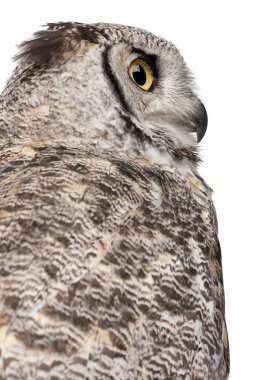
(227, 45)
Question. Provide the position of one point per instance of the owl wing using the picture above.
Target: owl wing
(220, 306)
(215, 265)
(61, 211)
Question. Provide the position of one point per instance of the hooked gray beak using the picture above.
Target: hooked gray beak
(201, 120)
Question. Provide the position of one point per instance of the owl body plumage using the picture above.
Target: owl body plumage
(110, 264)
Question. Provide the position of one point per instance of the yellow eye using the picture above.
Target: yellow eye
(141, 73)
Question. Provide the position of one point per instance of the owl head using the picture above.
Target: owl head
(111, 86)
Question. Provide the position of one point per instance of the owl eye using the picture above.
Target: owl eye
(141, 73)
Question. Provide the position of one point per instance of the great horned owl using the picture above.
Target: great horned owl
(110, 265)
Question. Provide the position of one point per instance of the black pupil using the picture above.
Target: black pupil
(139, 75)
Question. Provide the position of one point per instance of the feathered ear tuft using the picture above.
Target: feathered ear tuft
(52, 43)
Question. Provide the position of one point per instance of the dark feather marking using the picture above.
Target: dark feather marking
(190, 152)
(137, 131)
(118, 90)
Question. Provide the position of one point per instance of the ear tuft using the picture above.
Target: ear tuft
(57, 39)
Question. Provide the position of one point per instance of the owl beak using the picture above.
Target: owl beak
(201, 121)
